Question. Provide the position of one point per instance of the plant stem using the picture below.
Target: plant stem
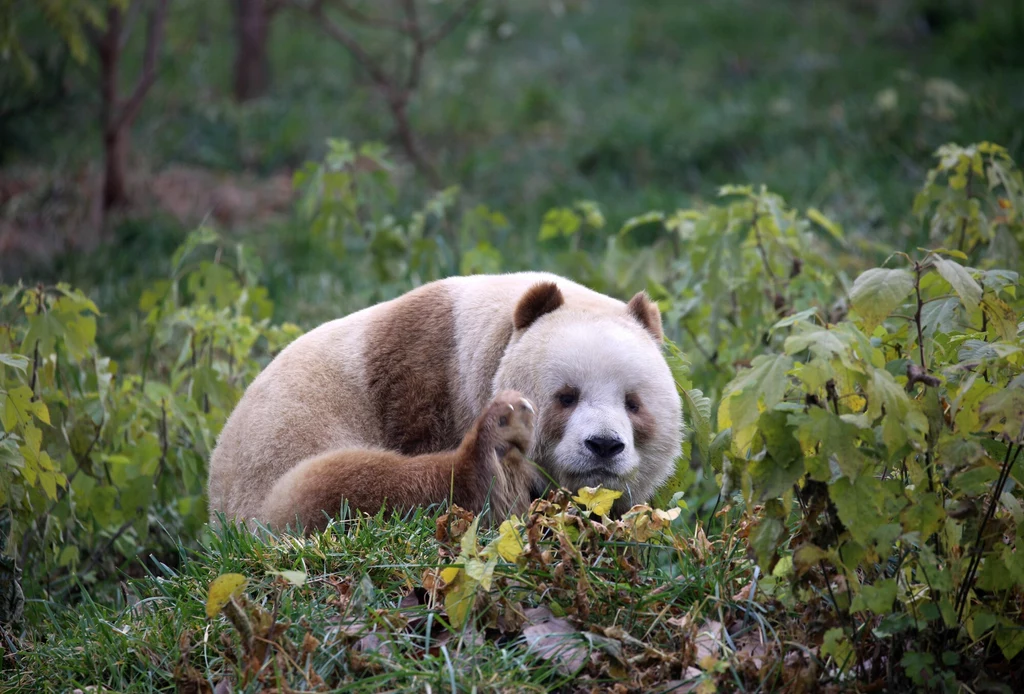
(976, 550)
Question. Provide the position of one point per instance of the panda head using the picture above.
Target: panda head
(609, 411)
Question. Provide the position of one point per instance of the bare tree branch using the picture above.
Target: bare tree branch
(346, 39)
(397, 85)
(360, 17)
(129, 22)
(448, 25)
(154, 39)
(419, 48)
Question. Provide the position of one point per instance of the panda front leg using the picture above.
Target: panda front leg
(488, 471)
(493, 472)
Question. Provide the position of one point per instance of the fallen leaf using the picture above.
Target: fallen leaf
(459, 600)
(414, 598)
(709, 640)
(555, 640)
(452, 525)
(597, 499)
(187, 681)
(750, 647)
(309, 643)
(701, 546)
(296, 578)
(744, 593)
(449, 574)
(509, 544)
(690, 681)
(221, 590)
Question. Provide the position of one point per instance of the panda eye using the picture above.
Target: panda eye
(568, 398)
(632, 404)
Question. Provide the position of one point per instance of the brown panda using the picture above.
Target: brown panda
(443, 394)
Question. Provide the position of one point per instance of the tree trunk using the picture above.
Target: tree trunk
(115, 143)
(115, 189)
(117, 115)
(252, 65)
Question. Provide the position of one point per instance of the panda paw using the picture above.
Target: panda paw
(511, 421)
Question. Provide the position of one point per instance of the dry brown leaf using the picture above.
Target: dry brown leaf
(709, 640)
(453, 525)
(702, 548)
(370, 642)
(309, 643)
(749, 646)
(689, 682)
(744, 593)
(556, 640)
(187, 681)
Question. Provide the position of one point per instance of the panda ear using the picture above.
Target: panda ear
(646, 313)
(539, 299)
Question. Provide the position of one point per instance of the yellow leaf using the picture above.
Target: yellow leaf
(481, 571)
(450, 574)
(296, 578)
(221, 590)
(597, 499)
(458, 602)
(509, 544)
(468, 541)
(856, 403)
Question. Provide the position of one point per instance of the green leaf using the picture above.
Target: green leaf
(632, 223)
(939, 316)
(765, 540)
(825, 223)
(783, 465)
(459, 600)
(836, 441)
(560, 221)
(838, 646)
(960, 279)
(904, 421)
(878, 598)
(1010, 639)
(923, 516)
(879, 291)
(15, 361)
(697, 407)
(19, 408)
(1003, 413)
(860, 506)
(752, 392)
(918, 666)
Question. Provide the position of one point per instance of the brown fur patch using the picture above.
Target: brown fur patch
(644, 423)
(646, 312)
(539, 299)
(555, 419)
(411, 372)
(472, 475)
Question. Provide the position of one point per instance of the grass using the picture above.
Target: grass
(361, 621)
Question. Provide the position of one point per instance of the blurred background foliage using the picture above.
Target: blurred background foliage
(524, 105)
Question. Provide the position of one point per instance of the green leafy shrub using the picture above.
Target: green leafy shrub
(876, 450)
(867, 429)
(97, 456)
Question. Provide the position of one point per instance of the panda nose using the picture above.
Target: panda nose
(604, 446)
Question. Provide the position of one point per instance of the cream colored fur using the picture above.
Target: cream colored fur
(313, 397)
